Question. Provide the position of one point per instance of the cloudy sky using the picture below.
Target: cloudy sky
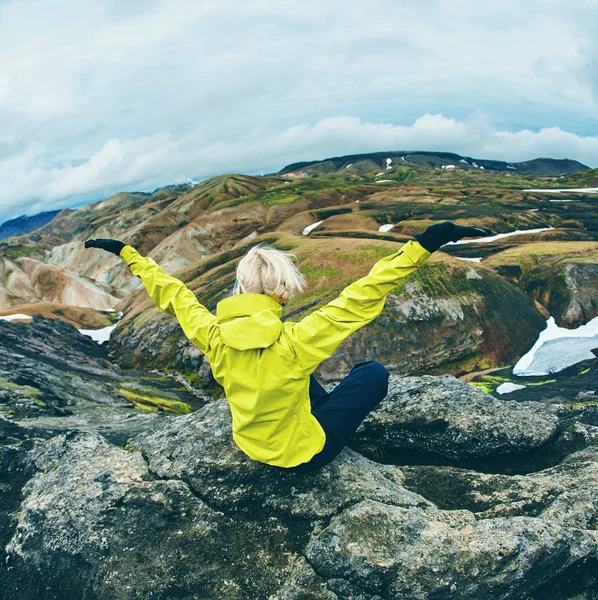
(104, 96)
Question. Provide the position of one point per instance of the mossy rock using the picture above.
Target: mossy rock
(153, 403)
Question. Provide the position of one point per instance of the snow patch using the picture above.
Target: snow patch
(98, 335)
(388, 163)
(384, 181)
(505, 388)
(17, 316)
(448, 167)
(349, 165)
(558, 347)
(559, 191)
(310, 227)
(499, 236)
(463, 161)
(385, 228)
(534, 209)
(471, 259)
(511, 167)
(378, 174)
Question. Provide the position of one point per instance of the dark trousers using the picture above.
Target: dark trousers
(341, 411)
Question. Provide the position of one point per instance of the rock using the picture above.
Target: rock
(566, 493)
(582, 281)
(56, 379)
(95, 522)
(403, 553)
(11, 433)
(450, 419)
(14, 473)
(184, 513)
(199, 449)
(564, 282)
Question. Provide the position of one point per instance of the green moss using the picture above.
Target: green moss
(496, 379)
(486, 387)
(143, 317)
(129, 447)
(366, 252)
(438, 280)
(25, 390)
(313, 272)
(279, 200)
(588, 403)
(192, 377)
(18, 251)
(489, 383)
(156, 403)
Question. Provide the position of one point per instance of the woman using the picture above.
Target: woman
(281, 415)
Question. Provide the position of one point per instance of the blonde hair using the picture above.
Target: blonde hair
(267, 270)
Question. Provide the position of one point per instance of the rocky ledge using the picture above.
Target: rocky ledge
(53, 378)
(463, 496)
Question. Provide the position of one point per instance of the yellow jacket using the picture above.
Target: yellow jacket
(264, 364)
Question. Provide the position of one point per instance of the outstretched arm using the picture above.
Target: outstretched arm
(168, 293)
(317, 336)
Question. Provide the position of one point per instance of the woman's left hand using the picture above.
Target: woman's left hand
(114, 246)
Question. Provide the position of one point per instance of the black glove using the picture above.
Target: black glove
(114, 246)
(441, 233)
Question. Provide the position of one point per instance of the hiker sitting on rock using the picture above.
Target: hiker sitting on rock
(281, 415)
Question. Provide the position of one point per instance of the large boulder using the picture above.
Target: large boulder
(183, 513)
(448, 419)
(566, 493)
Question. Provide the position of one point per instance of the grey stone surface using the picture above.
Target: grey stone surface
(183, 513)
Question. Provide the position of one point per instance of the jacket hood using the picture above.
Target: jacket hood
(249, 321)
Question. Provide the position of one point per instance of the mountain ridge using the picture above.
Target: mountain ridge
(26, 224)
(538, 166)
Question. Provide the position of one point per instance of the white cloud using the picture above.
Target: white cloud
(149, 162)
(101, 96)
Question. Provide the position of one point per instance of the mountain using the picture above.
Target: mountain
(24, 224)
(477, 316)
(420, 159)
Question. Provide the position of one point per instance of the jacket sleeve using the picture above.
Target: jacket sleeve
(173, 297)
(317, 336)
